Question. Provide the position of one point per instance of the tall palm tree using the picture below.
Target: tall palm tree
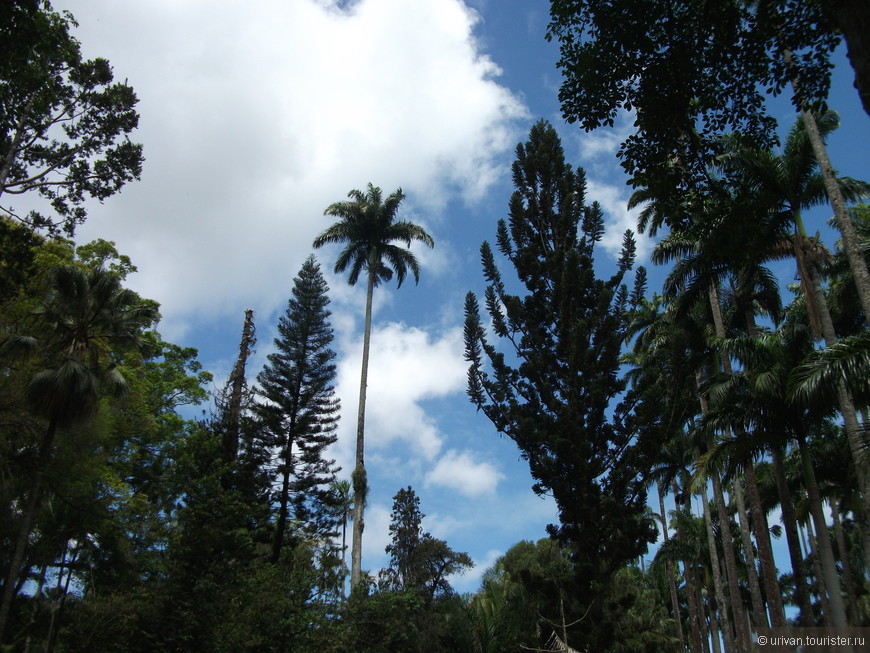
(791, 182)
(368, 229)
(84, 318)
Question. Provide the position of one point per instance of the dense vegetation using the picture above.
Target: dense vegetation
(127, 526)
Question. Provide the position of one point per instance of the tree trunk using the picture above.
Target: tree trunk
(759, 521)
(718, 583)
(789, 522)
(27, 518)
(854, 432)
(765, 552)
(823, 542)
(672, 583)
(737, 611)
(821, 590)
(360, 484)
(740, 624)
(237, 384)
(852, 17)
(851, 246)
(696, 614)
(846, 562)
(281, 525)
(751, 568)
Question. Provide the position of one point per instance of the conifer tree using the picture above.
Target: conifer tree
(418, 561)
(299, 410)
(551, 383)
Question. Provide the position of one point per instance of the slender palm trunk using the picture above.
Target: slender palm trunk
(737, 611)
(812, 547)
(846, 562)
(672, 583)
(765, 551)
(759, 521)
(695, 610)
(360, 484)
(851, 246)
(27, 518)
(718, 583)
(751, 569)
(823, 542)
(854, 432)
(789, 522)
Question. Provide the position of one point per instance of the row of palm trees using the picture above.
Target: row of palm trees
(741, 392)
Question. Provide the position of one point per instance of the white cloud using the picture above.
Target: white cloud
(618, 218)
(407, 366)
(254, 121)
(459, 471)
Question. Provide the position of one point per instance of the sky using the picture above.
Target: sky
(256, 116)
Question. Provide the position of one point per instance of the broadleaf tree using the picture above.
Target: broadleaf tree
(64, 122)
(551, 383)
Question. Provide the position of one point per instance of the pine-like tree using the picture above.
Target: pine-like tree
(298, 410)
(418, 561)
(552, 384)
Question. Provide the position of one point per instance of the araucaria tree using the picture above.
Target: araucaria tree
(299, 410)
(368, 229)
(551, 383)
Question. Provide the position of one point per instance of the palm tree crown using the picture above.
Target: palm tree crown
(368, 227)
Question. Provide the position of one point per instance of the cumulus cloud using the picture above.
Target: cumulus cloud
(460, 472)
(254, 121)
(407, 366)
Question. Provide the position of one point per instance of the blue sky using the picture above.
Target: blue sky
(256, 116)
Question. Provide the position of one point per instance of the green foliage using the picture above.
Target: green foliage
(552, 392)
(691, 72)
(367, 227)
(418, 561)
(298, 413)
(64, 124)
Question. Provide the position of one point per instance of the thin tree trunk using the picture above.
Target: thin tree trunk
(724, 520)
(343, 551)
(702, 612)
(845, 561)
(854, 432)
(27, 518)
(759, 521)
(54, 626)
(716, 645)
(851, 246)
(717, 576)
(360, 483)
(695, 610)
(672, 583)
(237, 384)
(789, 522)
(281, 525)
(821, 589)
(751, 569)
(765, 551)
(737, 611)
(823, 543)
